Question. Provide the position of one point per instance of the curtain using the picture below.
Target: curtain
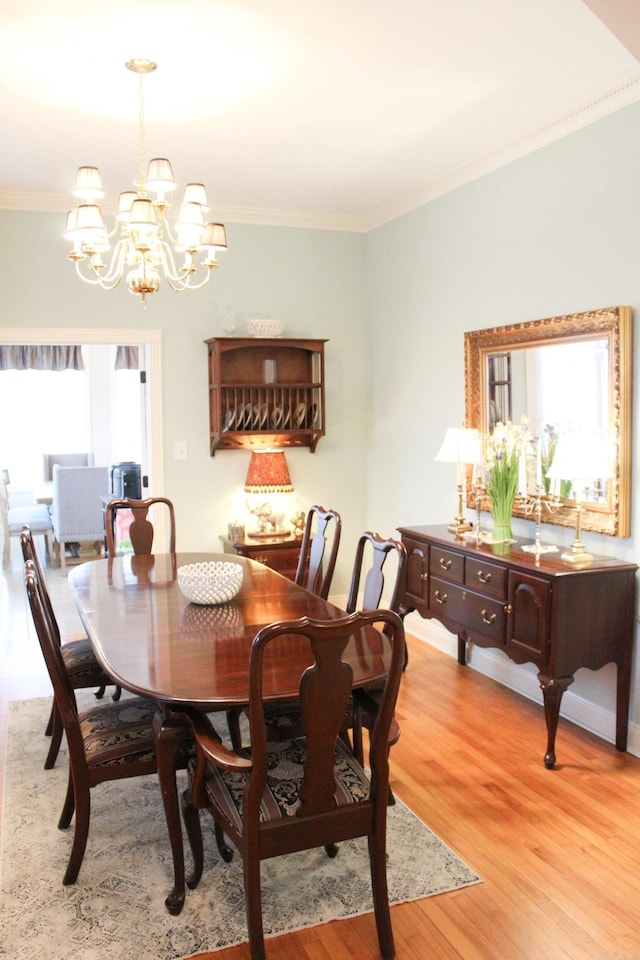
(127, 358)
(47, 357)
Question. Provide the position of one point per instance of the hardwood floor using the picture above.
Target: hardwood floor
(559, 850)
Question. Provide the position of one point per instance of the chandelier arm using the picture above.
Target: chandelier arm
(196, 286)
(166, 228)
(113, 275)
(180, 283)
(86, 278)
(167, 262)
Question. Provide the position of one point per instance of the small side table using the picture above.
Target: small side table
(279, 553)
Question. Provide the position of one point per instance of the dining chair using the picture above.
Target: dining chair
(141, 531)
(366, 591)
(316, 564)
(319, 550)
(12, 519)
(279, 798)
(113, 741)
(79, 660)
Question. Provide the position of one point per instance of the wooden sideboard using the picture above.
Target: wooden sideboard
(539, 610)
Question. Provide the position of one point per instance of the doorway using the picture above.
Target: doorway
(150, 343)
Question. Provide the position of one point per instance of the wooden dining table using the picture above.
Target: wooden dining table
(151, 641)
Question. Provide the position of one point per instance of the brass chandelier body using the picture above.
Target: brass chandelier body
(144, 251)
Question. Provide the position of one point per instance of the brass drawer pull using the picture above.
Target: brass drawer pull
(508, 608)
(440, 597)
(488, 619)
(424, 576)
(445, 564)
(263, 559)
(484, 577)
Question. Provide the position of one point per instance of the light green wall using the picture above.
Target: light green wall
(311, 279)
(555, 232)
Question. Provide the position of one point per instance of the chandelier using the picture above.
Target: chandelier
(143, 251)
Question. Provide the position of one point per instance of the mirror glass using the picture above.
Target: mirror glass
(568, 373)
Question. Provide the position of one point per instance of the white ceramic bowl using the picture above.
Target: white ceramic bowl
(210, 582)
(259, 327)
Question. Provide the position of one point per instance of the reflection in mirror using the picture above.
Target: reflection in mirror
(569, 374)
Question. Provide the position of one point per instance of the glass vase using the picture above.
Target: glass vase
(501, 513)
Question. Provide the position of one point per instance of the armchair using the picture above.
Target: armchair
(49, 460)
(76, 511)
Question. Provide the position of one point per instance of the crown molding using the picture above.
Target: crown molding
(59, 203)
(621, 92)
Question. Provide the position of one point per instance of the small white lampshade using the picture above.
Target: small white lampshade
(125, 202)
(215, 236)
(196, 193)
(580, 457)
(160, 177)
(190, 228)
(71, 224)
(88, 184)
(89, 223)
(460, 445)
(143, 226)
(142, 214)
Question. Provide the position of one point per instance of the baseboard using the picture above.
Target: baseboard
(523, 679)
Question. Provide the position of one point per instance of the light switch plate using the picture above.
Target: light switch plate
(180, 450)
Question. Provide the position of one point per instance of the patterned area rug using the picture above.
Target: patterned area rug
(116, 908)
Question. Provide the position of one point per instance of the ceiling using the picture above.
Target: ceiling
(338, 114)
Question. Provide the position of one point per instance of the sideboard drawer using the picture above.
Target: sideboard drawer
(487, 578)
(478, 614)
(446, 563)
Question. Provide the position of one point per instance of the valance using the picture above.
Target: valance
(127, 358)
(23, 356)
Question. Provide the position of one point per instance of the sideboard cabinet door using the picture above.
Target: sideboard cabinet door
(417, 577)
(528, 610)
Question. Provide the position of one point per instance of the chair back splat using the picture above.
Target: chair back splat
(320, 543)
(141, 531)
(278, 798)
(372, 553)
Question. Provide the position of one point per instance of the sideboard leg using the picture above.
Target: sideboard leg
(552, 691)
(462, 650)
(623, 690)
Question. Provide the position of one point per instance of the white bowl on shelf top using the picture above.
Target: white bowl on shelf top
(210, 581)
(262, 327)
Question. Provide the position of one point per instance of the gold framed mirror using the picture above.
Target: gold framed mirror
(553, 372)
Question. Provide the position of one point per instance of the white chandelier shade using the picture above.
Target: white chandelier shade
(147, 247)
